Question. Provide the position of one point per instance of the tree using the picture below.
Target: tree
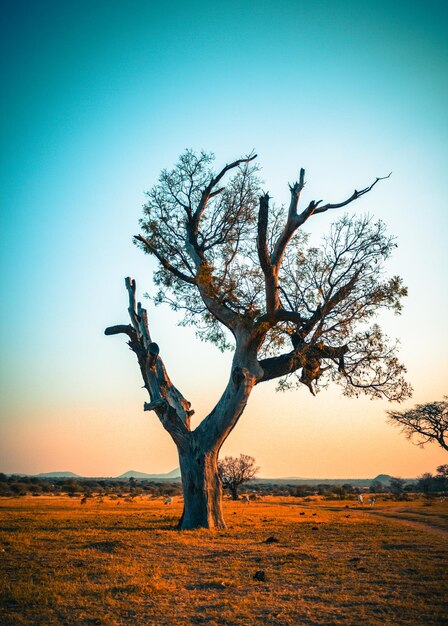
(245, 275)
(396, 486)
(429, 484)
(425, 483)
(376, 487)
(426, 422)
(233, 472)
(339, 492)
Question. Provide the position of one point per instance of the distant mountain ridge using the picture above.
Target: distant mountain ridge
(384, 479)
(57, 475)
(175, 473)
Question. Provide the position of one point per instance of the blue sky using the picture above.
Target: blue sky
(97, 98)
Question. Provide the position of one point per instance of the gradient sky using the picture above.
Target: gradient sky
(97, 98)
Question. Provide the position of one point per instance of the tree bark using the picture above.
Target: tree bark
(201, 487)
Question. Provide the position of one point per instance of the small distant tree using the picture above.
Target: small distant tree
(339, 492)
(19, 489)
(425, 423)
(246, 276)
(71, 487)
(300, 491)
(35, 488)
(376, 487)
(431, 484)
(234, 471)
(397, 486)
(426, 483)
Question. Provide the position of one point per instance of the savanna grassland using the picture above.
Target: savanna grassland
(108, 564)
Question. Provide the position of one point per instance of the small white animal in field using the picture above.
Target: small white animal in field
(442, 498)
(245, 499)
(371, 501)
(360, 500)
(168, 500)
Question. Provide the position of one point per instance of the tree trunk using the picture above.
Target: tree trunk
(234, 492)
(202, 489)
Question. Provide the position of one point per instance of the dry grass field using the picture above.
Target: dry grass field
(108, 564)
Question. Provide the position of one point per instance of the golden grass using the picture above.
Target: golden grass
(109, 564)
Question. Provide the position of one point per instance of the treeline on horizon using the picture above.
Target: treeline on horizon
(16, 486)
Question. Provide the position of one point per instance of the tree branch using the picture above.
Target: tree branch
(282, 365)
(306, 325)
(262, 244)
(313, 207)
(121, 328)
(296, 220)
(308, 357)
(171, 407)
(270, 264)
(292, 223)
(270, 275)
(208, 191)
(322, 311)
(164, 262)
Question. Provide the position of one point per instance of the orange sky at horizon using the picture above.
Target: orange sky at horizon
(301, 439)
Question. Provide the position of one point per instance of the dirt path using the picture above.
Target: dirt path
(394, 514)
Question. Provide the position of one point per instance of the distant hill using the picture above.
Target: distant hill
(58, 475)
(384, 479)
(173, 475)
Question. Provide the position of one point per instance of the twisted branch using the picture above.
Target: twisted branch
(167, 401)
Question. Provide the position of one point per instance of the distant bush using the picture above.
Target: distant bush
(301, 491)
(5, 489)
(437, 484)
(19, 489)
(75, 487)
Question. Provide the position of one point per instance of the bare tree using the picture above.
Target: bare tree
(246, 277)
(425, 423)
(234, 471)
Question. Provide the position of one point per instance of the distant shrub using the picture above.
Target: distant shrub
(5, 490)
(18, 489)
(301, 491)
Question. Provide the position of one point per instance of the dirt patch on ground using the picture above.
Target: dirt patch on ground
(403, 519)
